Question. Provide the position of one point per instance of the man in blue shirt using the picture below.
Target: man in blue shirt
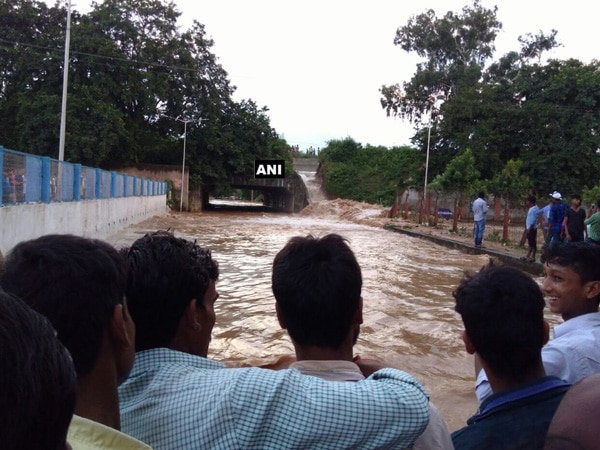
(531, 225)
(479, 212)
(502, 310)
(556, 218)
(177, 398)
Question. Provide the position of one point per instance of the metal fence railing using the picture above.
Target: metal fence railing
(30, 178)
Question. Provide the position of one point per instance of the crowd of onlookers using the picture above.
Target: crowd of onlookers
(107, 348)
(559, 221)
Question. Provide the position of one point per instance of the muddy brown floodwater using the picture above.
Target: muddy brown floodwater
(409, 317)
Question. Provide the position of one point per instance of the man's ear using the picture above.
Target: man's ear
(358, 314)
(468, 344)
(280, 317)
(190, 315)
(592, 289)
(118, 327)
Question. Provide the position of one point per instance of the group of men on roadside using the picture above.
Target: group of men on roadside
(137, 325)
(561, 223)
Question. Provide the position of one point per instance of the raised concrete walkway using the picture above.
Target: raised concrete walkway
(535, 268)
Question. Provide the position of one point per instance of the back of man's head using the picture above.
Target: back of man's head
(502, 310)
(37, 380)
(164, 274)
(75, 282)
(317, 285)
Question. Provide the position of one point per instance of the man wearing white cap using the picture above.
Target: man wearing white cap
(557, 215)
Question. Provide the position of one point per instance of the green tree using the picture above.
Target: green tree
(590, 196)
(454, 49)
(561, 104)
(512, 185)
(460, 178)
(134, 76)
(546, 115)
(30, 73)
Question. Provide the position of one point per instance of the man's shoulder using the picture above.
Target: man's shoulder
(516, 419)
(166, 359)
(253, 407)
(436, 436)
(573, 333)
(577, 324)
(174, 369)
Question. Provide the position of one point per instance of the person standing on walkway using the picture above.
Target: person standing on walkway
(557, 216)
(575, 229)
(593, 223)
(546, 223)
(531, 225)
(480, 209)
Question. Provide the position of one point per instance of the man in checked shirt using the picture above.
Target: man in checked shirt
(176, 397)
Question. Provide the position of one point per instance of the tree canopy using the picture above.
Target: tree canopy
(134, 77)
(543, 113)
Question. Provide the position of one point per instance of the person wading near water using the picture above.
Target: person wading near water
(480, 210)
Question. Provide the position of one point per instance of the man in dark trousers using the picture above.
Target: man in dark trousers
(573, 223)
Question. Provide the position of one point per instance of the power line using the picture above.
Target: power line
(96, 56)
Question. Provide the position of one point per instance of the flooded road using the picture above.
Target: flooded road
(409, 318)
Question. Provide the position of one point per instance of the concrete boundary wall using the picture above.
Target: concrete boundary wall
(90, 218)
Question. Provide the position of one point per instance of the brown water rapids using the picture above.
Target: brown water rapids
(409, 318)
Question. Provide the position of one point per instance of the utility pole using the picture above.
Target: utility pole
(63, 113)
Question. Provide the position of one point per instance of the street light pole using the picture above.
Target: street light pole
(185, 122)
(63, 113)
(427, 163)
(437, 98)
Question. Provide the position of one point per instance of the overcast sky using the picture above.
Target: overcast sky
(317, 65)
